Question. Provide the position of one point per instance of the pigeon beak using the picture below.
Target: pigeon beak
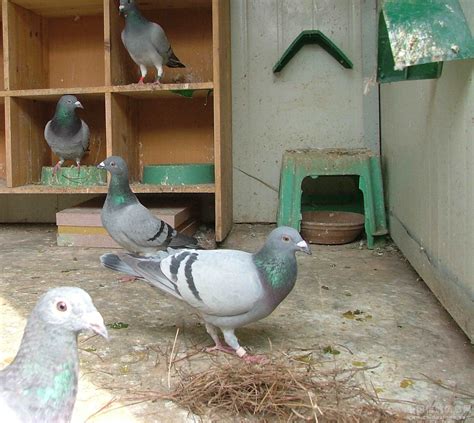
(79, 105)
(95, 322)
(303, 246)
(121, 8)
(101, 165)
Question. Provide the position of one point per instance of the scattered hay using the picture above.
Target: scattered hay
(282, 390)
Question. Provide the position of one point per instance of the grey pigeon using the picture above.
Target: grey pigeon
(146, 42)
(40, 385)
(66, 133)
(129, 222)
(228, 288)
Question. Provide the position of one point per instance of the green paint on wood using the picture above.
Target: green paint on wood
(179, 174)
(70, 177)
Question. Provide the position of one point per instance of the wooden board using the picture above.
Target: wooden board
(167, 135)
(25, 48)
(88, 214)
(103, 240)
(26, 149)
(3, 152)
(76, 52)
(55, 8)
(222, 116)
(122, 131)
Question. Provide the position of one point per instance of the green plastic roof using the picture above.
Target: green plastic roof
(426, 31)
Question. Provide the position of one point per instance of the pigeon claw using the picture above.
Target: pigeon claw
(141, 81)
(128, 279)
(220, 347)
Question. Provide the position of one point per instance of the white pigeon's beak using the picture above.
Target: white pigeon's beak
(303, 246)
(101, 165)
(79, 104)
(95, 322)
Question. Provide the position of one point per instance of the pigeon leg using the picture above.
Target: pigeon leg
(143, 71)
(57, 166)
(212, 331)
(159, 74)
(231, 340)
(78, 163)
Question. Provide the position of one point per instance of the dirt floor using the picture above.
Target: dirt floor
(350, 307)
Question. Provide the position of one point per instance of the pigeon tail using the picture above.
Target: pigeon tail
(114, 262)
(183, 241)
(174, 62)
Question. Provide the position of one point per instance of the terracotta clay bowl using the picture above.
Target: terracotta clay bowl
(331, 227)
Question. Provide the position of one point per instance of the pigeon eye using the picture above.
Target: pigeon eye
(61, 306)
(112, 164)
(285, 238)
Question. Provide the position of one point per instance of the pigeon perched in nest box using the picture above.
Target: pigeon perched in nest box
(40, 385)
(228, 288)
(131, 224)
(146, 42)
(66, 133)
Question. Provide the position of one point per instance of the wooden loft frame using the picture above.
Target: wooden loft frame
(49, 50)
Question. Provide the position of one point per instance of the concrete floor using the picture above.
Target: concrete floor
(402, 326)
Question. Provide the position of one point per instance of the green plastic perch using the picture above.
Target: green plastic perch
(312, 37)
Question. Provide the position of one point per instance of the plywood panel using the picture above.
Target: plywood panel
(190, 34)
(27, 150)
(94, 115)
(3, 158)
(25, 48)
(60, 8)
(176, 131)
(427, 135)
(2, 82)
(76, 52)
(122, 131)
(222, 117)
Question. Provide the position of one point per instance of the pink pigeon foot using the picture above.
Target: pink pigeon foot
(56, 167)
(141, 81)
(255, 359)
(220, 347)
(128, 279)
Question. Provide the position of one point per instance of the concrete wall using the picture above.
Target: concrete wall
(428, 153)
(313, 102)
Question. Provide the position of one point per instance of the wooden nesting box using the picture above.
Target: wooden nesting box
(50, 49)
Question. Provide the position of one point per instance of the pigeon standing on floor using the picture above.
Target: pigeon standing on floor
(40, 385)
(131, 224)
(229, 288)
(66, 133)
(146, 42)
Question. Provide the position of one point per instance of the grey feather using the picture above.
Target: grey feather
(130, 223)
(67, 134)
(40, 385)
(146, 41)
(229, 288)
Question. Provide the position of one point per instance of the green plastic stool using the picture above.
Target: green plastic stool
(298, 164)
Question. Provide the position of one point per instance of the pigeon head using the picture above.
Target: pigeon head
(69, 309)
(288, 239)
(69, 102)
(115, 165)
(126, 6)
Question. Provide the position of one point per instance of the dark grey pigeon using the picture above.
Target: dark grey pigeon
(131, 224)
(66, 133)
(146, 42)
(228, 288)
(40, 385)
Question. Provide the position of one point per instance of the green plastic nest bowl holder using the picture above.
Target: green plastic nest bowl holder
(298, 164)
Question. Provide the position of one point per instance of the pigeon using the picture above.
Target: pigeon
(228, 288)
(40, 385)
(130, 223)
(146, 42)
(66, 133)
